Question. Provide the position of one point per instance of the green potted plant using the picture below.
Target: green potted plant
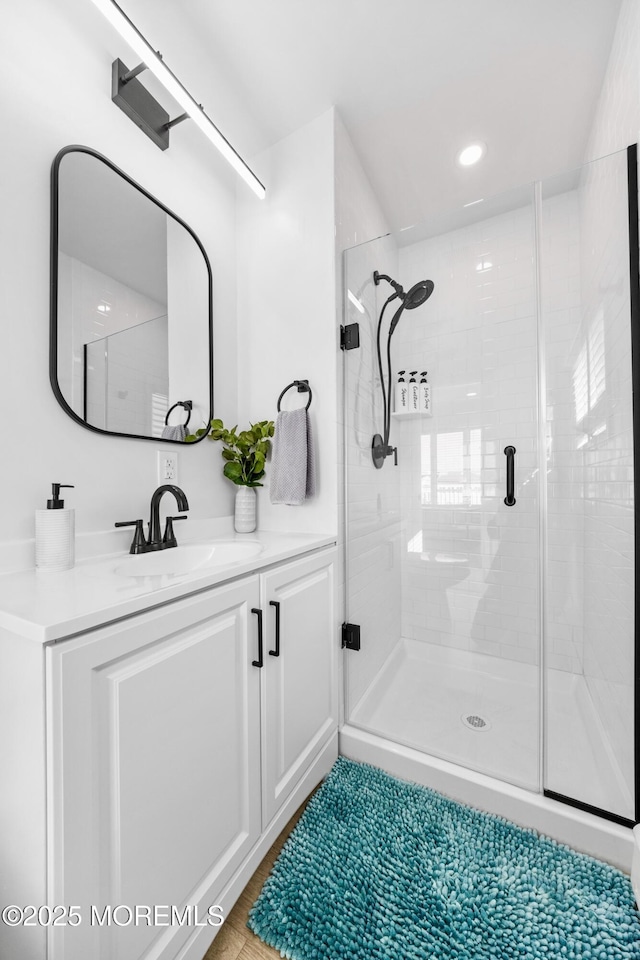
(245, 455)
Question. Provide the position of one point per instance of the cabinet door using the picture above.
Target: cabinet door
(299, 689)
(154, 767)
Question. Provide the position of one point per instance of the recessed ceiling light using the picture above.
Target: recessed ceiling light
(471, 154)
(472, 203)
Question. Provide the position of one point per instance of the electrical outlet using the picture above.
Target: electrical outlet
(167, 467)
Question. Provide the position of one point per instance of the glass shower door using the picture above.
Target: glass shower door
(442, 575)
(589, 633)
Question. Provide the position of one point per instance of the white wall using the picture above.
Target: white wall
(286, 308)
(55, 69)
(616, 121)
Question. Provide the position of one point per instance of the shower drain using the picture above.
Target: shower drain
(475, 722)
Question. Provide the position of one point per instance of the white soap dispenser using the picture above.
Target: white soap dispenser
(414, 393)
(55, 534)
(425, 394)
(402, 400)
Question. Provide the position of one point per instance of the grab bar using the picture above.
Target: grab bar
(510, 454)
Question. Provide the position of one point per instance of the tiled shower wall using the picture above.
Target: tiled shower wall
(470, 563)
(560, 292)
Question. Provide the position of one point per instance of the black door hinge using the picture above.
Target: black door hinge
(350, 336)
(351, 636)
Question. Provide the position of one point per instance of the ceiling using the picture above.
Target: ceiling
(413, 80)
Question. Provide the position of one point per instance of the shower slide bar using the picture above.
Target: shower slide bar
(510, 454)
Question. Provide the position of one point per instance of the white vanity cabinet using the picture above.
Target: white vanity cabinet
(174, 757)
(154, 746)
(299, 701)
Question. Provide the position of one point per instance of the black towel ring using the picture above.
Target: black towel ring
(187, 404)
(303, 387)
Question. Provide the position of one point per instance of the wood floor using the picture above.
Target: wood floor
(235, 941)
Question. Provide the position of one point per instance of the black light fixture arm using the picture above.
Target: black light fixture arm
(132, 74)
(173, 123)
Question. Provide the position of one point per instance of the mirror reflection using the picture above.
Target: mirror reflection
(131, 310)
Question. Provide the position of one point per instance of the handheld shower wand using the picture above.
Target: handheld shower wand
(415, 297)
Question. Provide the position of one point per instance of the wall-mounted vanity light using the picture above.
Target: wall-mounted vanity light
(132, 97)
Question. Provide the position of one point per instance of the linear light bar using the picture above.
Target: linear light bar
(154, 62)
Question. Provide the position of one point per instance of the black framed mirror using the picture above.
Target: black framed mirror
(131, 336)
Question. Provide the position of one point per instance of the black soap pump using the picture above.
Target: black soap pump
(55, 534)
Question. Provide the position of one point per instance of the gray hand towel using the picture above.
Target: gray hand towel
(293, 471)
(177, 432)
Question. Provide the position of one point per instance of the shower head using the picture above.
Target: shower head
(417, 295)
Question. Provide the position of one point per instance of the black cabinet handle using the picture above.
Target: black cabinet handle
(260, 661)
(510, 455)
(275, 604)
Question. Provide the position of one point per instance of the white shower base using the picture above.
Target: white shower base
(424, 691)
(417, 705)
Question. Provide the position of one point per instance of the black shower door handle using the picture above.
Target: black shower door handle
(260, 661)
(510, 455)
(276, 606)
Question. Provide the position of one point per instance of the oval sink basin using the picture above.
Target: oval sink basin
(178, 561)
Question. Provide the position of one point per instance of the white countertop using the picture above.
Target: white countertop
(49, 606)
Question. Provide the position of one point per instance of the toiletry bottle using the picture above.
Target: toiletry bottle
(425, 393)
(414, 393)
(55, 534)
(402, 404)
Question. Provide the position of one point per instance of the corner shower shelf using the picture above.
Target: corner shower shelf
(410, 414)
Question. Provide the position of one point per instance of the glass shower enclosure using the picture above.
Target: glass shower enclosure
(491, 571)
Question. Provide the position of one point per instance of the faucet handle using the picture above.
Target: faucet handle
(138, 544)
(169, 539)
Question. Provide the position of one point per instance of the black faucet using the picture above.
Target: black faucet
(155, 540)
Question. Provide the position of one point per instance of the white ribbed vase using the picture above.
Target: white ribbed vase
(245, 518)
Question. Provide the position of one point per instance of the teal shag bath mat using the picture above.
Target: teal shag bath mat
(380, 868)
